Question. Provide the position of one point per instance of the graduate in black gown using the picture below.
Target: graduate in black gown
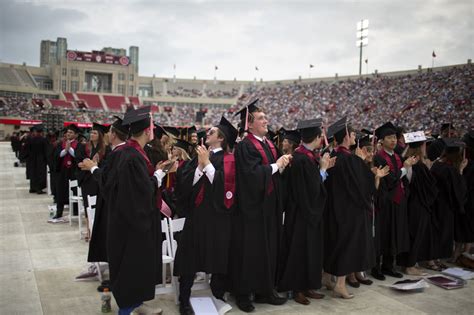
(207, 201)
(98, 242)
(302, 244)
(134, 228)
(350, 185)
(95, 149)
(392, 225)
(423, 193)
(464, 222)
(36, 155)
(258, 220)
(65, 158)
(452, 195)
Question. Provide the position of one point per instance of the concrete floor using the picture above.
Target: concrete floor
(39, 261)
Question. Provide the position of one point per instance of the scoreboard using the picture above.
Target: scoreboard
(97, 57)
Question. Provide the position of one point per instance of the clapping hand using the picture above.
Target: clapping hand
(380, 171)
(87, 164)
(283, 161)
(409, 162)
(203, 156)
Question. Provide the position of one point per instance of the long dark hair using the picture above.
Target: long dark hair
(453, 157)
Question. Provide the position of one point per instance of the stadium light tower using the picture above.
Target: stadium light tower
(362, 38)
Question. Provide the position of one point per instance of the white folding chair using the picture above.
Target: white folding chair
(75, 198)
(48, 181)
(177, 225)
(91, 208)
(167, 259)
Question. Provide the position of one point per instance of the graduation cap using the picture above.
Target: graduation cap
(292, 135)
(309, 128)
(271, 134)
(138, 119)
(245, 112)
(338, 128)
(38, 128)
(190, 131)
(74, 128)
(183, 144)
(118, 125)
(385, 130)
(446, 126)
(468, 138)
(365, 141)
(201, 134)
(415, 139)
(229, 131)
(100, 128)
(159, 131)
(172, 131)
(452, 144)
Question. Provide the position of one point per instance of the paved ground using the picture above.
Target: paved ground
(38, 263)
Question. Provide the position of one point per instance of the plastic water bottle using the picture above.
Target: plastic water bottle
(106, 298)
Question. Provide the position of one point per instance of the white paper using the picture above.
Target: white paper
(203, 306)
(459, 273)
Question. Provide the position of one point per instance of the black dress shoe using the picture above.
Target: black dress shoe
(244, 304)
(391, 273)
(186, 309)
(377, 274)
(365, 281)
(354, 284)
(273, 299)
(40, 192)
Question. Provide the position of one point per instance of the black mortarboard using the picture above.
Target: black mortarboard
(310, 127)
(118, 125)
(452, 144)
(182, 144)
(292, 135)
(201, 134)
(100, 128)
(229, 131)
(386, 129)
(137, 119)
(468, 138)
(414, 139)
(365, 141)
(245, 111)
(446, 126)
(190, 131)
(38, 128)
(172, 131)
(271, 134)
(435, 149)
(74, 128)
(158, 131)
(339, 127)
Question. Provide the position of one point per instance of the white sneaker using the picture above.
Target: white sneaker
(90, 275)
(146, 309)
(59, 220)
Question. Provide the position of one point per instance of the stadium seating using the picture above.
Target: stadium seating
(114, 103)
(92, 100)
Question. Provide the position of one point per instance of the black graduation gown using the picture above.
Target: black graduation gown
(392, 222)
(64, 174)
(464, 222)
(257, 223)
(98, 241)
(302, 240)
(205, 240)
(348, 245)
(451, 199)
(36, 151)
(88, 184)
(133, 244)
(423, 193)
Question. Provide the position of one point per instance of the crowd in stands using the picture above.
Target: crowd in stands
(409, 100)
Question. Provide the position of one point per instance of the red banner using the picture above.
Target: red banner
(81, 124)
(22, 122)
